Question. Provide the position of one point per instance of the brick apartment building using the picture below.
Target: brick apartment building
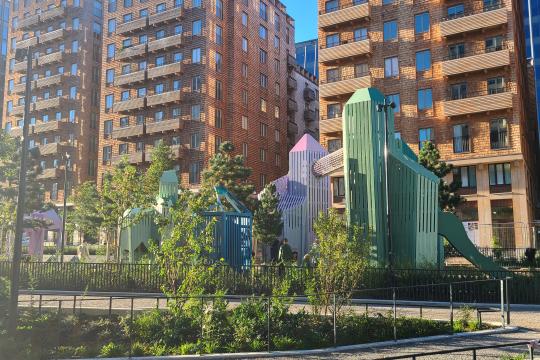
(195, 73)
(65, 40)
(456, 70)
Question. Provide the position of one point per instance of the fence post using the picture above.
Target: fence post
(74, 303)
(451, 308)
(531, 352)
(40, 299)
(395, 312)
(202, 317)
(268, 324)
(474, 354)
(506, 283)
(503, 323)
(59, 306)
(335, 329)
(110, 306)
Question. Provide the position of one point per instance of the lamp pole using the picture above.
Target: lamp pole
(66, 169)
(21, 199)
(385, 108)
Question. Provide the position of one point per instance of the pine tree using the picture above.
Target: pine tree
(430, 158)
(229, 171)
(86, 216)
(267, 220)
(161, 161)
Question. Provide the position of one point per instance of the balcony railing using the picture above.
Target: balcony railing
(21, 88)
(330, 124)
(52, 35)
(309, 115)
(130, 78)
(292, 84)
(126, 133)
(476, 59)
(165, 70)
(292, 128)
(48, 104)
(165, 16)
(50, 80)
(475, 19)
(499, 139)
(164, 98)
(53, 13)
(22, 44)
(167, 42)
(20, 66)
(489, 99)
(343, 85)
(51, 126)
(292, 106)
(346, 48)
(462, 144)
(309, 94)
(345, 13)
(164, 126)
(17, 110)
(51, 58)
(28, 22)
(51, 173)
(132, 26)
(132, 158)
(127, 106)
(50, 149)
(132, 51)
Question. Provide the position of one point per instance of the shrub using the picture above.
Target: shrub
(138, 349)
(188, 349)
(285, 343)
(111, 350)
(162, 328)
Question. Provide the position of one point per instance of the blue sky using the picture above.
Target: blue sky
(304, 13)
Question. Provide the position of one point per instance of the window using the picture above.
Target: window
(196, 3)
(264, 81)
(244, 97)
(219, 62)
(107, 154)
(332, 75)
(500, 174)
(244, 45)
(73, 92)
(263, 105)
(455, 11)
(128, 3)
(421, 23)
(277, 160)
(423, 60)
(244, 18)
(390, 31)
(196, 28)
(277, 89)
(160, 34)
(159, 116)
(461, 139)
(124, 122)
(276, 112)
(194, 172)
(160, 8)
(424, 135)
(262, 155)
(218, 119)
(456, 51)
(71, 116)
(331, 5)
(177, 85)
(196, 83)
(263, 32)
(219, 90)
(196, 112)
(109, 101)
(122, 149)
(465, 176)
(219, 9)
(338, 189)
(111, 26)
(54, 191)
(333, 111)
(494, 43)
(458, 91)
(498, 134)
(332, 40)
(196, 56)
(124, 96)
(75, 46)
(109, 76)
(360, 34)
(277, 136)
(361, 70)
(396, 100)
(75, 24)
(178, 57)
(195, 141)
(391, 67)
(496, 85)
(263, 56)
(244, 70)
(263, 11)
(244, 122)
(263, 130)
(219, 35)
(110, 51)
(425, 100)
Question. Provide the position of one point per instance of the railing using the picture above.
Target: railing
(499, 139)
(462, 144)
(342, 78)
(344, 41)
(476, 50)
(341, 7)
(473, 11)
(483, 92)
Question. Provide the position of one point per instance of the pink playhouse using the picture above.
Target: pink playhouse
(35, 238)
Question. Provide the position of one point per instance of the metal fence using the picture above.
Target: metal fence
(262, 279)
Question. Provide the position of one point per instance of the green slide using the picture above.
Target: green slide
(452, 230)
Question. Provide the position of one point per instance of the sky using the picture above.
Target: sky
(304, 13)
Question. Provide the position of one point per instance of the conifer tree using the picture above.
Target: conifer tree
(267, 220)
(161, 161)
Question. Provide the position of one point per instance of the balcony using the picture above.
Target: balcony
(309, 115)
(133, 158)
(21, 88)
(52, 173)
(50, 149)
(130, 78)
(477, 60)
(475, 20)
(292, 129)
(50, 80)
(131, 52)
(344, 85)
(22, 44)
(132, 26)
(52, 14)
(16, 132)
(165, 43)
(164, 98)
(51, 58)
(353, 12)
(292, 106)
(28, 22)
(345, 49)
(165, 70)
(164, 126)
(165, 16)
(17, 110)
(20, 67)
(130, 105)
(52, 126)
(126, 133)
(48, 104)
(479, 102)
(330, 125)
(309, 95)
(292, 84)
(462, 144)
(53, 35)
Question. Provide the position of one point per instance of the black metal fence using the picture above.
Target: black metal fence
(261, 279)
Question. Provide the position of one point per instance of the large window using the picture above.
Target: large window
(331, 5)
(338, 189)
(423, 60)
(333, 110)
(458, 91)
(455, 11)
(461, 138)
(360, 34)
(391, 67)
(494, 43)
(425, 99)
(425, 135)
(498, 134)
(465, 175)
(456, 51)
(421, 23)
(500, 174)
(196, 28)
(496, 85)
(332, 40)
(263, 11)
(390, 30)
(196, 56)
(109, 101)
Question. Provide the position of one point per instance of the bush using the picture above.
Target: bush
(188, 349)
(111, 350)
(285, 343)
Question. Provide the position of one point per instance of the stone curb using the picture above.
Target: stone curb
(253, 355)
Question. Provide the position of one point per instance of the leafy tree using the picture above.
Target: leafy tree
(340, 255)
(161, 161)
(86, 215)
(267, 220)
(430, 158)
(230, 171)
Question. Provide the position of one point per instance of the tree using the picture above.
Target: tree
(86, 215)
(340, 255)
(230, 171)
(161, 161)
(430, 158)
(267, 220)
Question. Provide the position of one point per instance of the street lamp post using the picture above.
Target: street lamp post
(385, 108)
(21, 199)
(66, 169)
